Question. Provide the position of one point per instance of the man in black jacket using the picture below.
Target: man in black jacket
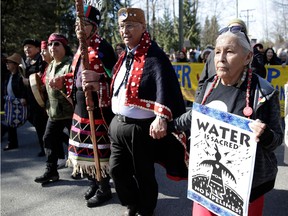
(37, 115)
(146, 95)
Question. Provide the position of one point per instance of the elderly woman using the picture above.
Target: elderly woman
(14, 89)
(235, 89)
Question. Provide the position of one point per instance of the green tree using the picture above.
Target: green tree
(205, 32)
(109, 24)
(38, 19)
(191, 27)
(209, 32)
(33, 19)
(166, 35)
(215, 27)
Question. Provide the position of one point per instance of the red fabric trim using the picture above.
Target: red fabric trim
(135, 79)
(96, 65)
(174, 178)
(43, 77)
(88, 12)
(88, 132)
(157, 108)
(68, 80)
(75, 60)
(86, 121)
(181, 137)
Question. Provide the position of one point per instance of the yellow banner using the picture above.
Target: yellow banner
(188, 75)
(278, 77)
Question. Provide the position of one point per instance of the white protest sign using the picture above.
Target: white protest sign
(222, 157)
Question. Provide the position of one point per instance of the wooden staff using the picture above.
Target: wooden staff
(88, 93)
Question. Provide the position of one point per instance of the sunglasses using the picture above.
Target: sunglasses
(56, 44)
(234, 30)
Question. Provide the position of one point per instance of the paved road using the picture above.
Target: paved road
(21, 196)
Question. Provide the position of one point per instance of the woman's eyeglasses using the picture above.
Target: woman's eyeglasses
(56, 44)
(234, 30)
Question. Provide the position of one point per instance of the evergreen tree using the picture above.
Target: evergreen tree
(191, 27)
(109, 24)
(33, 19)
(209, 32)
(205, 33)
(166, 36)
(214, 28)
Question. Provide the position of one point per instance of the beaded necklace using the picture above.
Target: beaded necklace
(247, 111)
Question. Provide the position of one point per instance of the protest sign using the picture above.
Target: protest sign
(222, 157)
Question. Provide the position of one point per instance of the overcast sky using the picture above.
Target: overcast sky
(251, 11)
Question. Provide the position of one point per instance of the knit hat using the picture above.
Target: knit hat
(43, 45)
(30, 41)
(131, 14)
(58, 37)
(240, 22)
(16, 58)
(259, 45)
(92, 15)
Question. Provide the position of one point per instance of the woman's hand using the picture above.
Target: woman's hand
(258, 128)
(57, 83)
(158, 128)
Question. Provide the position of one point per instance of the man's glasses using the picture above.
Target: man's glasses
(128, 27)
(56, 44)
(234, 30)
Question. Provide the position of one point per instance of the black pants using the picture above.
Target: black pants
(38, 118)
(53, 139)
(132, 164)
(12, 137)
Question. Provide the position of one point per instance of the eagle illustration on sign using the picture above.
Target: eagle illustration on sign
(216, 181)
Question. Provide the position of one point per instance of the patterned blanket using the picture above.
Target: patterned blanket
(15, 113)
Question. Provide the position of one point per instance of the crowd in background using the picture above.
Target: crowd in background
(269, 55)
